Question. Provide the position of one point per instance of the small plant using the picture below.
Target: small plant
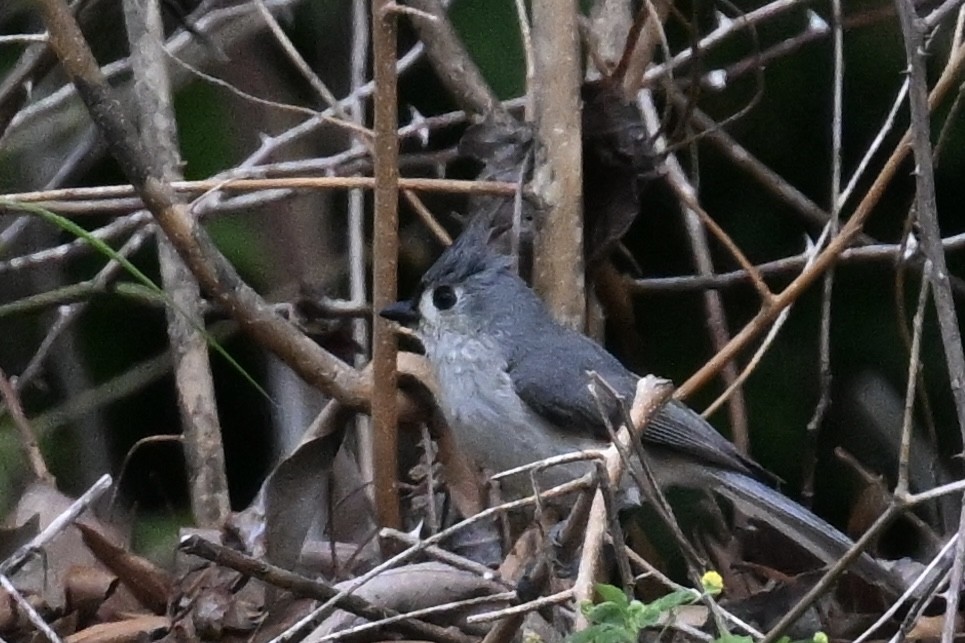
(617, 619)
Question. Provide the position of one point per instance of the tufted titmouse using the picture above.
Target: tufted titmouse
(513, 386)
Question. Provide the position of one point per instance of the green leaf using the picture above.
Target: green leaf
(603, 634)
(675, 599)
(734, 638)
(643, 615)
(607, 613)
(612, 594)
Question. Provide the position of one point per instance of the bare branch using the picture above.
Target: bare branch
(301, 586)
(28, 441)
(385, 251)
(192, 371)
(558, 273)
(213, 271)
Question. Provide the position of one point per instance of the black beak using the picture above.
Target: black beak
(403, 312)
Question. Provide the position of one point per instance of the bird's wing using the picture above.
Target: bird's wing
(551, 378)
(679, 427)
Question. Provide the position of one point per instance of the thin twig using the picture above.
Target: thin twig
(927, 213)
(523, 608)
(455, 186)
(356, 242)
(526, 36)
(813, 426)
(426, 611)
(25, 608)
(28, 441)
(914, 366)
(19, 558)
(745, 21)
(447, 557)
(23, 39)
(319, 590)
(779, 267)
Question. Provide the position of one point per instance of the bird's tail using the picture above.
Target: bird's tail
(820, 538)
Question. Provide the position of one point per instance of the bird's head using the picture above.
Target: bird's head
(466, 291)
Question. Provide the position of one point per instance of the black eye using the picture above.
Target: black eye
(444, 297)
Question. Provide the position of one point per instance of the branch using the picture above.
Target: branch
(558, 273)
(214, 273)
(385, 258)
(927, 213)
(320, 591)
(185, 319)
(28, 441)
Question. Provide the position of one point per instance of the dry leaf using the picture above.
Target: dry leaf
(131, 630)
(148, 582)
(86, 589)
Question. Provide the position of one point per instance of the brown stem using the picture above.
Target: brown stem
(830, 254)
(385, 253)
(558, 175)
(28, 441)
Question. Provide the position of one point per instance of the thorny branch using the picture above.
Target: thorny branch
(926, 210)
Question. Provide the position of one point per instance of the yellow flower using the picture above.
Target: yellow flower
(713, 584)
(820, 637)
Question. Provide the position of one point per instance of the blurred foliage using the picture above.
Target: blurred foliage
(489, 31)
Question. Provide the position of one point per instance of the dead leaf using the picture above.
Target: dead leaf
(45, 574)
(86, 589)
(131, 630)
(930, 627)
(149, 583)
(293, 494)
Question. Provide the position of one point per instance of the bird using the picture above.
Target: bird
(513, 390)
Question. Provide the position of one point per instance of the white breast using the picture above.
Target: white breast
(490, 422)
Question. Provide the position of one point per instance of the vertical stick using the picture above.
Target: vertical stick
(203, 450)
(385, 260)
(558, 176)
(926, 210)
